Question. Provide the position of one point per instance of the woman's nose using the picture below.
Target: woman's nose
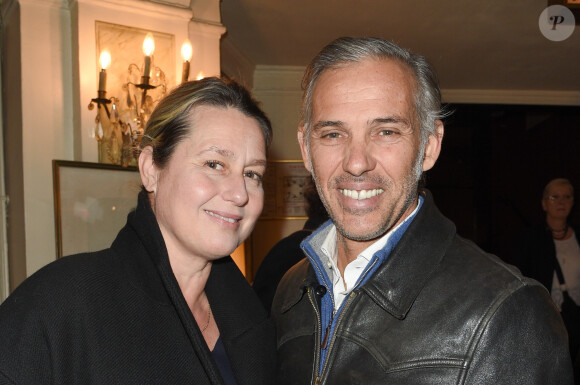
(235, 190)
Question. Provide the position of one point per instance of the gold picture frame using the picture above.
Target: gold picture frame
(91, 203)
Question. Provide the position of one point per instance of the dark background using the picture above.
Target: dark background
(494, 164)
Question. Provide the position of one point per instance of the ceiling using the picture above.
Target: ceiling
(477, 45)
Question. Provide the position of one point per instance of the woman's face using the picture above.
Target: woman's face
(558, 202)
(209, 196)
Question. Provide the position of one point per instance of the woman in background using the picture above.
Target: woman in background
(550, 253)
(162, 305)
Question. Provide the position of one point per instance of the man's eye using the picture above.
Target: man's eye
(387, 132)
(331, 135)
(214, 164)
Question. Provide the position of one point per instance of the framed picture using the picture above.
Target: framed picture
(284, 184)
(91, 203)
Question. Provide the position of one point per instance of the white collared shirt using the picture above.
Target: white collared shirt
(354, 269)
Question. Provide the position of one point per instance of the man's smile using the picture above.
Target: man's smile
(361, 194)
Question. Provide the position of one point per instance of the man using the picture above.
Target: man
(389, 293)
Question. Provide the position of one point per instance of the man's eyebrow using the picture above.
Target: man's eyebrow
(391, 119)
(327, 123)
(337, 123)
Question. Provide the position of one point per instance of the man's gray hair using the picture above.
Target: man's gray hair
(347, 50)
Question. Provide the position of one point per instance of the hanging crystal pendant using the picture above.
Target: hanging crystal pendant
(99, 131)
(114, 112)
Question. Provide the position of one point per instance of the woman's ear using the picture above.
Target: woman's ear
(148, 170)
(544, 205)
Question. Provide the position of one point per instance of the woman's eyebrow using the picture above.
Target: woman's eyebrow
(223, 152)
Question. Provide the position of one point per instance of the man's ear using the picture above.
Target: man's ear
(303, 149)
(148, 170)
(433, 146)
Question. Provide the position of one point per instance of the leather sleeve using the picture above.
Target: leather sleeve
(521, 341)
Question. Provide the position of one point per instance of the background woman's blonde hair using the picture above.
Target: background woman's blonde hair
(556, 182)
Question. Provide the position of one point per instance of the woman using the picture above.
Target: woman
(162, 305)
(552, 245)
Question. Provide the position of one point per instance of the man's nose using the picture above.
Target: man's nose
(358, 158)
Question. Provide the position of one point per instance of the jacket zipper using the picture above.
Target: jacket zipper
(319, 317)
(318, 379)
(317, 337)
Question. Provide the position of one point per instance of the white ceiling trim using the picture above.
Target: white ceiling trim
(533, 97)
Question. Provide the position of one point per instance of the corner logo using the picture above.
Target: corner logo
(557, 23)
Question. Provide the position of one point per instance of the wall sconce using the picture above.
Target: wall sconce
(118, 129)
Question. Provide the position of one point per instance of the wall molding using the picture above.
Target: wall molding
(526, 97)
(206, 28)
(43, 3)
(136, 7)
(289, 78)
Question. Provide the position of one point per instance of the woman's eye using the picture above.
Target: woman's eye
(253, 175)
(214, 164)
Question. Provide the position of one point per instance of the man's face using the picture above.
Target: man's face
(364, 146)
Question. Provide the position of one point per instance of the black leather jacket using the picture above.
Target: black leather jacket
(438, 311)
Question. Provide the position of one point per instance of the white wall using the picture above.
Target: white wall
(47, 127)
(278, 89)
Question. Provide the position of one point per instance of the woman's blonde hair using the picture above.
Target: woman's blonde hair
(169, 123)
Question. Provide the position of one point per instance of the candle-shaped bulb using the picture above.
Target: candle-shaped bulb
(186, 52)
(148, 49)
(104, 60)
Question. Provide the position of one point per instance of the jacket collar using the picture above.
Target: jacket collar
(141, 249)
(397, 283)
